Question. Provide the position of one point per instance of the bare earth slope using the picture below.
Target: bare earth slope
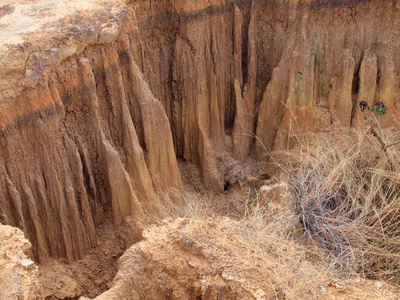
(227, 259)
(82, 135)
(98, 99)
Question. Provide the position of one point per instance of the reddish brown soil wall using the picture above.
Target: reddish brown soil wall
(95, 134)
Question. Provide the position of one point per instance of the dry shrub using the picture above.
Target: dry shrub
(341, 216)
(346, 191)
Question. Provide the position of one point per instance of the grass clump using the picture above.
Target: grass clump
(347, 195)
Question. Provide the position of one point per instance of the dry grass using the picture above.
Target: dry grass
(294, 271)
(347, 200)
(260, 248)
(340, 219)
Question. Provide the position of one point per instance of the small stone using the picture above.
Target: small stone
(378, 284)
(27, 263)
(60, 285)
(260, 294)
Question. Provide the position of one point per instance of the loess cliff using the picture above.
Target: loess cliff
(98, 101)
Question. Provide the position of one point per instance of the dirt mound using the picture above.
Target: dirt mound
(219, 258)
(18, 274)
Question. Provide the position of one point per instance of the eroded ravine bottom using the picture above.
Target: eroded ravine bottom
(91, 275)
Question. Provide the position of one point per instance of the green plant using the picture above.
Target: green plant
(301, 89)
(318, 58)
(375, 124)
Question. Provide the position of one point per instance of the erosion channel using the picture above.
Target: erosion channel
(120, 121)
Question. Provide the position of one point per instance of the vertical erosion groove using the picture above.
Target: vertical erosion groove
(96, 138)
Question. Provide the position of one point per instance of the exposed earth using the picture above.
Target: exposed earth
(140, 143)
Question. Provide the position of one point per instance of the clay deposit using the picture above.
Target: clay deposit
(99, 100)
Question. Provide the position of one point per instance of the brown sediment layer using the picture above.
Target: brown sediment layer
(92, 121)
